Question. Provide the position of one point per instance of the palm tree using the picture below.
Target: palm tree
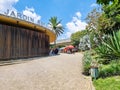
(56, 27)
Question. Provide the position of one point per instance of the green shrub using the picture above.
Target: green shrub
(110, 47)
(103, 54)
(86, 62)
(110, 70)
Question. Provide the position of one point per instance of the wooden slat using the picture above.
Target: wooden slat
(16, 42)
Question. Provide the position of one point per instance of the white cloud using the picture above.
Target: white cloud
(76, 24)
(78, 14)
(31, 13)
(94, 5)
(7, 4)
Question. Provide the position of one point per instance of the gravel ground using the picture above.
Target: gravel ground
(60, 72)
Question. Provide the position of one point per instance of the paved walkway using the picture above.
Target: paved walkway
(61, 72)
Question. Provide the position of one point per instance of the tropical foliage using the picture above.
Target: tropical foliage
(93, 27)
(105, 27)
(110, 19)
(106, 20)
(110, 47)
(105, 24)
(105, 2)
(92, 21)
(56, 26)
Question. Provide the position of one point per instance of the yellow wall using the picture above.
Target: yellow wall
(26, 24)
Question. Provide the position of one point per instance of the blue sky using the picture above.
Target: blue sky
(72, 12)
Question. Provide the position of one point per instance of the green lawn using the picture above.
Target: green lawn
(109, 83)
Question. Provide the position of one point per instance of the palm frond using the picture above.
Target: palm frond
(56, 26)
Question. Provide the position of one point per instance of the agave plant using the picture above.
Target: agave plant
(113, 43)
(110, 47)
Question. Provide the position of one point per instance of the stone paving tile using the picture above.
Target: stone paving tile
(60, 72)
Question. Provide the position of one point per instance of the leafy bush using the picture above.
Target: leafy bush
(110, 47)
(86, 62)
(110, 70)
(103, 54)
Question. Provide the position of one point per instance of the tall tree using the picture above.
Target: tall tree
(92, 20)
(93, 26)
(105, 2)
(56, 27)
(75, 37)
(111, 15)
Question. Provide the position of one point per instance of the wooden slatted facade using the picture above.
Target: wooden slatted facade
(21, 39)
(17, 42)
